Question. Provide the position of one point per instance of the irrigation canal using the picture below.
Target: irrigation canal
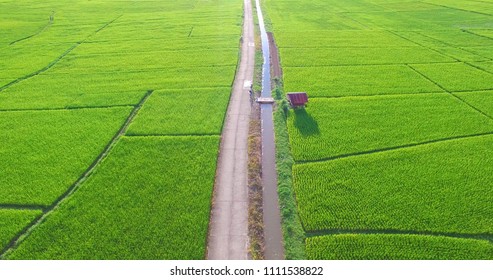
(274, 249)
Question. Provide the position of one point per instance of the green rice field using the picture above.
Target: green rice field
(392, 155)
(109, 143)
(111, 115)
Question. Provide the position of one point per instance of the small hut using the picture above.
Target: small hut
(297, 99)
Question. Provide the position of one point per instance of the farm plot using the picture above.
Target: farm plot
(334, 81)
(396, 134)
(321, 39)
(486, 66)
(164, 113)
(396, 246)
(52, 27)
(482, 100)
(46, 151)
(446, 76)
(361, 56)
(476, 6)
(326, 128)
(102, 72)
(149, 200)
(75, 89)
(419, 189)
(458, 38)
(457, 53)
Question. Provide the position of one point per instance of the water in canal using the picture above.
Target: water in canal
(272, 220)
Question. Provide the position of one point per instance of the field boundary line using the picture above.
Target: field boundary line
(44, 69)
(453, 46)
(153, 51)
(457, 9)
(54, 62)
(484, 236)
(103, 27)
(346, 16)
(174, 135)
(398, 94)
(147, 70)
(377, 95)
(375, 151)
(472, 90)
(476, 34)
(22, 235)
(451, 93)
(482, 1)
(50, 22)
(427, 78)
(472, 106)
(67, 108)
(378, 64)
(15, 206)
(421, 45)
(478, 67)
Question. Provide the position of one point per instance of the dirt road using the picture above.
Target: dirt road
(228, 229)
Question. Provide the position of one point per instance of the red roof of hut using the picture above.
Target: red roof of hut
(297, 98)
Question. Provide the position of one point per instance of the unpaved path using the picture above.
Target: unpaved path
(228, 229)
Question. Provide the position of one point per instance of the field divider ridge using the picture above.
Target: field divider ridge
(376, 95)
(478, 67)
(452, 94)
(54, 62)
(427, 78)
(472, 90)
(44, 69)
(104, 26)
(476, 34)
(175, 135)
(472, 106)
(15, 206)
(75, 186)
(375, 64)
(374, 151)
(423, 46)
(67, 108)
(457, 9)
(50, 22)
(453, 46)
(485, 236)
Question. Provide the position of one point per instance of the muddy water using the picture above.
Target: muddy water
(272, 220)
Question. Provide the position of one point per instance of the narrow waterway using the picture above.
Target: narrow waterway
(274, 249)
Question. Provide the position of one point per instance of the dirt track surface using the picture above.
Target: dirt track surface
(228, 229)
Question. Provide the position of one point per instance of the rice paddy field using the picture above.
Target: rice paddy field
(393, 154)
(111, 115)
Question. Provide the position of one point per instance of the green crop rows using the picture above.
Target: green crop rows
(419, 189)
(46, 151)
(12, 221)
(435, 116)
(169, 219)
(110, 115)
(396, 246)
(393, 152)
